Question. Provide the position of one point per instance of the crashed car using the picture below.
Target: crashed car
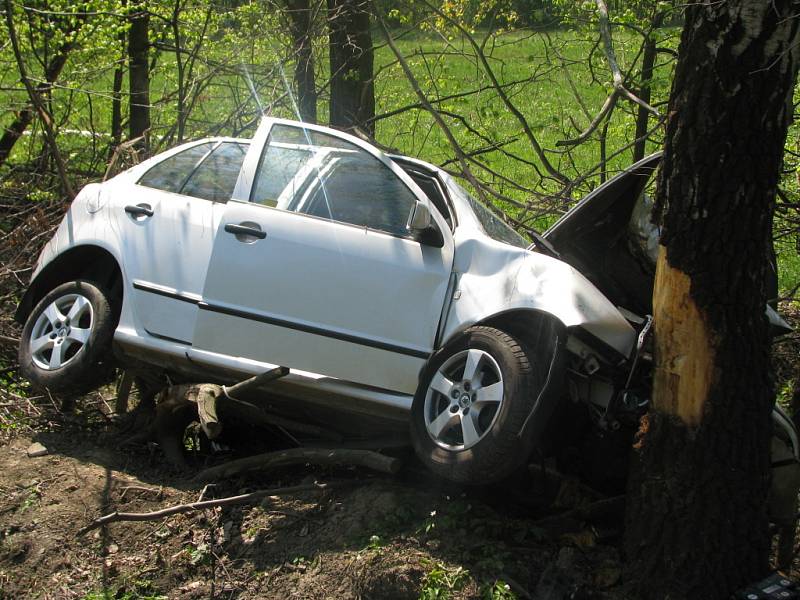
(377, 281)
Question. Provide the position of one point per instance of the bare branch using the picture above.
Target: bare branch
(611, 57)
(434, 113)
(195, 506)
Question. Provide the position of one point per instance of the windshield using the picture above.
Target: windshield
(492, 225)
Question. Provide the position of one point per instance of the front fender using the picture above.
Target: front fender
(524, 280)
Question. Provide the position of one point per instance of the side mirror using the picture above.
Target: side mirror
(420, 218)
(423, 227)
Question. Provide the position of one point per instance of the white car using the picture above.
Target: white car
(377, 280)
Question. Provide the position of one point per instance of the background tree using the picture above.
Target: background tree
(301, 17)
(697, 523)
(352, 90)
(139, 72)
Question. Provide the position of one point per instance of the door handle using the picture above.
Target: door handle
(139, 210)
(250, 230)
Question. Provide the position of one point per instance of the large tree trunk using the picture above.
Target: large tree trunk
(139, 74)
(697, 524)
(300, 25)
(350, 46)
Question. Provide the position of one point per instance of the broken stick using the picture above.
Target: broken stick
(194, 506)
(328, 457)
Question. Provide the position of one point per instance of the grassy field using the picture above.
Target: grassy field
(557, 79)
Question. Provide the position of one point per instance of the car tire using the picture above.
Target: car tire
(465, 426)
(66, 342)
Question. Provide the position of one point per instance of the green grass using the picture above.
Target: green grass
(546, 64)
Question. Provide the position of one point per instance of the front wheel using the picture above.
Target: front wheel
(66, 341)
(468, 413)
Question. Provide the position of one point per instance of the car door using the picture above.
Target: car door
(168, 224)
(313, 267)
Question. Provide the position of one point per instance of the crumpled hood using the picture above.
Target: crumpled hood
(601, 240)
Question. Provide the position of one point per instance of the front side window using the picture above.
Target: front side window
(317, 174)
(207, 171)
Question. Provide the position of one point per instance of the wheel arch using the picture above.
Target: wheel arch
(544, 335)
(80, 262)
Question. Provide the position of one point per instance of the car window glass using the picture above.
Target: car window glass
(216, 177)
(276, 172)
(318, 174)
(494, 226)
(170, 173)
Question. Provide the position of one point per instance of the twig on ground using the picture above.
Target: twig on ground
(140, 488)
(195, 506)
(8, 341)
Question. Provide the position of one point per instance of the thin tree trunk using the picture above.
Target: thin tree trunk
(176, 34)
(24, 117)
(643, 115)
(116, 97)
(139, 74)
(352, 101)
(697, 524)
(300, 24)
(38, 103)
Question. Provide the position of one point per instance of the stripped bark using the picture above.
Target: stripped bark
(697, 522)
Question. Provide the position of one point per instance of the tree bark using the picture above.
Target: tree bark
(352, 102)
(696, 522)
(300, 25)
(139, 74)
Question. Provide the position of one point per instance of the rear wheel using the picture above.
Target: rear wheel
(473, 400)
(66, 341)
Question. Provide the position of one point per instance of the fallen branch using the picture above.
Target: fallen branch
(599, 509)
(195, 506)
(328, 457)
(8, 341)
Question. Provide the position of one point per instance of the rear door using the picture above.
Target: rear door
(313, 267)
(169, 223)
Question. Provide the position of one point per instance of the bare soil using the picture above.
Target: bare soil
(366, 536)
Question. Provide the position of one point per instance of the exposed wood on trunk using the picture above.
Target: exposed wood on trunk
(328, 457)
(696, 514)
(685, 354)
(206, 400)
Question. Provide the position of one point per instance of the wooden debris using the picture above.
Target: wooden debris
(302, 456)
(195, 506)
(123, 393)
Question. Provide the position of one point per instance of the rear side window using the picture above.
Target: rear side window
(216, 177)
(170, 174)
